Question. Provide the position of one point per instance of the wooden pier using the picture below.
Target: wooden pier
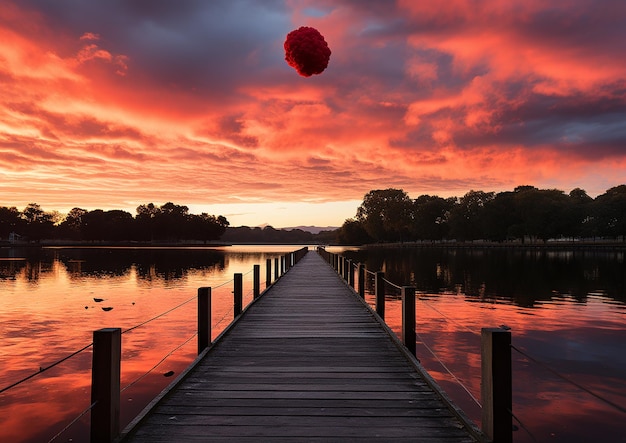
(307, 361)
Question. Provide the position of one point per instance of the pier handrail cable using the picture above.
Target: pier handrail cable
(568, 380)
(448, 370)
(530, 434)
(158, 363)
(448, 318)
(44, 369)
(70, 424)
(52, 365)
(393, 285)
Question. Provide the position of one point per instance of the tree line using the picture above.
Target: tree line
(387, 215)
(169, 222)
(526, 213)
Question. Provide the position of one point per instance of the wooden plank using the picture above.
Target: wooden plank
(308, 361)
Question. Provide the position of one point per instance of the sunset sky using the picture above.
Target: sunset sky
(109, 104)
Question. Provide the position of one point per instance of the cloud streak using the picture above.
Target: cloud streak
(114, 104)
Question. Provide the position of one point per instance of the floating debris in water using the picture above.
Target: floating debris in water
(505, 327)
(98, 300)
(86, 307)
(168, 374)
(107, 308)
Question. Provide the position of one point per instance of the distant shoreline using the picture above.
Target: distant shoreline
(552, 245)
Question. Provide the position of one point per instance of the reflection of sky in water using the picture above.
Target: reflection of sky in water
(583, 341)
(48, 311)
(568, 314)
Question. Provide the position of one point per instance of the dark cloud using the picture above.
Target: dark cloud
(205, 46)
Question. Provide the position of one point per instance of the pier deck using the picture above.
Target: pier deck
(308, 361)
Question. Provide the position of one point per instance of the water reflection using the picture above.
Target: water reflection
(565, 309)
(52, 299)
(526, 277)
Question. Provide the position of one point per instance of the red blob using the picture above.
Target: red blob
(307, 51)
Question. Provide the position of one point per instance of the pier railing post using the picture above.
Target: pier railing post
(276, 267)
(408, 318)
(204, 318)
(238, 294)
(105, 385)
(380, 294)
(268, 273)
(282, 265)
(350, 273)
(362, 280)
(256, 281)
(496, 386)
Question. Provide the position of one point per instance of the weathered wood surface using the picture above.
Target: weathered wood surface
(307, 362)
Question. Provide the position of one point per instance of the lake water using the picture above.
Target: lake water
(566, 310)
(50, 305)
(567, 313)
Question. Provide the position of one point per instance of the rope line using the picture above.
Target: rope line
(448, 370)
(522, 425)
(44, 369)
(393, 285)
(158, 363)
(160, 315)
(81, 415)
(223, 284)
(222, 319)
(564, 378)
(450, 319)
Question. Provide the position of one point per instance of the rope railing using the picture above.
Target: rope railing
(393, 285)
(73, 422)
(141, 377)
(287, 261)
(375, 288)
(495, 426)
(46, 368)
(570, 381)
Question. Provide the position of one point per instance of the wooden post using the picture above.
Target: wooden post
(408, 318)
(362, 280)
(238, 291)
(268, 273)
(380, 294)
(204, 318)
(105, 385)
(256, 281)
(351, 274)
(496, 385)
(276, 267)
(282, 265)
(340, 263)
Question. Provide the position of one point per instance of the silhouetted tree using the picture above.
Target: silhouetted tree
(11, 221)
(430, 217)
(352, 232)
(467, 217)
(386, 214)
(610, 212)
(39, 224)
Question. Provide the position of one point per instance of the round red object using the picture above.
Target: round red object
(307, 51)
